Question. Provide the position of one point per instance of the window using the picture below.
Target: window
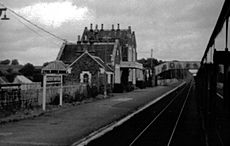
(85, 77)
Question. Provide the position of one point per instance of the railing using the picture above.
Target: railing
(14, 98)
(212, 80)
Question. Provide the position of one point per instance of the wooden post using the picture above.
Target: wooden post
(226, 69)
(44, 93)
(105, 76)
(61, 91)
(98, 81)
(213, 90)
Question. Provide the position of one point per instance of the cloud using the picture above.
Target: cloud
(54, 13)
(36, 55)
(174, 29)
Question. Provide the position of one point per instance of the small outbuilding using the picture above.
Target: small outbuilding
(91, 70)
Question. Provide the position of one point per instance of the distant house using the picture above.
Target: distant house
(20, 79)
(3, 80)
(26, 83)
(116, 48)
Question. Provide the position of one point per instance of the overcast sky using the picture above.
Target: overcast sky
(174, 29)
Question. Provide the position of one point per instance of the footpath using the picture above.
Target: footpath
(67, 125)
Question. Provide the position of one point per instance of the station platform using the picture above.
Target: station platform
(69, 125)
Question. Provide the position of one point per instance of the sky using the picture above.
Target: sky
(174, 29)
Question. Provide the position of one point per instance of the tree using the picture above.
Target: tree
(14, 62)
(10, 70)
(27, 70)
(5, 62)
(1, 73)
(44, 64)
(149, 62)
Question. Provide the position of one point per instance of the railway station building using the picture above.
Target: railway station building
(98, 50)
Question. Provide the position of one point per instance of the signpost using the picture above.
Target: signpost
(53, 75)
(51, 79)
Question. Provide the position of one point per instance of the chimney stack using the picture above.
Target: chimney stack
(118, 26)
(96, 27)
(78, 39)
(86, 28)
(85, 38)
(91, 26)
(101, 26)
(112, 26)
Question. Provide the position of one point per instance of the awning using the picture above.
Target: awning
(130, 64)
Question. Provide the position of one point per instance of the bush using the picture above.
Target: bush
(118, 88)
(130, 87)
(93, 91)
(54, 100)
(108, 89)
(67, 98)
(78, 96)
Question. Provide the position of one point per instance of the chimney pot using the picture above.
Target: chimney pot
(96, 27)
(78, 39)
(118, 26)
(91, 26)
(112, 27)
(101, 26)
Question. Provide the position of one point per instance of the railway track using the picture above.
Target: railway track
(156, 125)
(162, 128)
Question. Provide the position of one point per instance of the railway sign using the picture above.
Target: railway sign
(53, 79)
(53, 74)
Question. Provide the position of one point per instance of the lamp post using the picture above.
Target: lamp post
(152, 70)
(4, 17)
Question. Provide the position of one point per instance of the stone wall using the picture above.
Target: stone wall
(85, 63)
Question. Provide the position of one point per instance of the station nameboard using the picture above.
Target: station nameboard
(53, 79)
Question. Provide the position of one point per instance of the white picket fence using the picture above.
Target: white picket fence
(35, 94)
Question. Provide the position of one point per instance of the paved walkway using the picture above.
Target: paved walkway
(68, 125)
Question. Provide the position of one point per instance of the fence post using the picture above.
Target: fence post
(44, 93)
(61, 90)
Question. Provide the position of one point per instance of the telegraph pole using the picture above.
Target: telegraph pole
(105, 78)
(152, 59)
(152, 68)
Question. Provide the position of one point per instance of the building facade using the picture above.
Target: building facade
(114, 48)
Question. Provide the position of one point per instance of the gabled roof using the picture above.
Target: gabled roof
(70, 52)
(61, 50)
(96, 41)
(98, 60)
(56, 65)
(21, 79)
(3, 80)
